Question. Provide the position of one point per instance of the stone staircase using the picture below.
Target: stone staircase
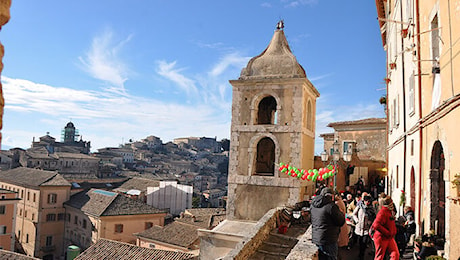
(278, 246)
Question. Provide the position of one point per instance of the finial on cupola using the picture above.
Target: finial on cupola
(280, 25)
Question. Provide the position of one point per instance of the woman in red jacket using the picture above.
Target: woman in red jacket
(385, 231)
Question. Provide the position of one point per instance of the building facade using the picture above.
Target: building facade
(421, 41)
(171, 196)
(65, 163)
(8, 207)
(96, 214)
(40, 215)
(365, 140)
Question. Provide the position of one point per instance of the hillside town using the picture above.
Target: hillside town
(381, 187)
(142, 184)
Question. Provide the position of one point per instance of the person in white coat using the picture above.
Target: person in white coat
(363, 215)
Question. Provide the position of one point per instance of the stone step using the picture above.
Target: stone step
(262, 256)
(275, 249)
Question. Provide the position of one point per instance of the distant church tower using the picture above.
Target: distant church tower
(69, 133)
(273, 121)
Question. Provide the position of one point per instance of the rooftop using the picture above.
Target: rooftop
(8, 255)
(30, 177)
(137, 183)
(105, 203)
(176, 233)
(109, 249)
(365, 121)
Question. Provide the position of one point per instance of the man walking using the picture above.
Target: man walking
(326, 220)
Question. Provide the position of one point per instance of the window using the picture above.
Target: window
(151, 245)
(52, 198)
(84, 223)
(51, 217)
(61, 216)
(49, 241)
(409, 9)
(33, 216)
(412, 147)
(266, 111)
(265, 157)
(22, 194)
(397, 111)
(27, 238)
(2, 209)
(2, 229)
(309, 116)
(20, 212)
(148, 225)
(435, 40)
(411, 94)
(118, 228)
(34, 197)
(28, 195)
(347, 146)
(393, 114)
(75, 220)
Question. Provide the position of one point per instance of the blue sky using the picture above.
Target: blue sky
(123, 70)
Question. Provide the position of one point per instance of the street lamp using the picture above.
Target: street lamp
(336, 158)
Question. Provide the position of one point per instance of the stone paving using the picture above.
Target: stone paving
(353, 253)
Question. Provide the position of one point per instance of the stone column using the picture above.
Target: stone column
(4, 18)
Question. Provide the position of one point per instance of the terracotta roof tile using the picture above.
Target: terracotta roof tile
(201, 221)
(114, 250)
(8, 255)
(32, 177)
(105, 203)
(126, 206)
(360, 122)
(176, 233)
(138, 184)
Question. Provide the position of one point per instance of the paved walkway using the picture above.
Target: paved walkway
(353, 253)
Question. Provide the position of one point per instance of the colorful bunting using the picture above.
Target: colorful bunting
(309, 175)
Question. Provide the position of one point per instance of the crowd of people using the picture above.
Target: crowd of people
(360, 217)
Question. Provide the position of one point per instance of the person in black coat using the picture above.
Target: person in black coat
(326, 220)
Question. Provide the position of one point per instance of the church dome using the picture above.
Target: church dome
(276, 61)
(70, 125)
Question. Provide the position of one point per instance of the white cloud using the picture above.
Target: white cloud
(320, 77)
(106, 116)
(232, 59)
(102, 61)
(266, 4)
(296, 3)
(169, 71)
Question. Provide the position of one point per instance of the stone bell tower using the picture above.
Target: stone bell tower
(273, 121)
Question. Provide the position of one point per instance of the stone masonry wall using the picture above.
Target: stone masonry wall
(249, 245)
